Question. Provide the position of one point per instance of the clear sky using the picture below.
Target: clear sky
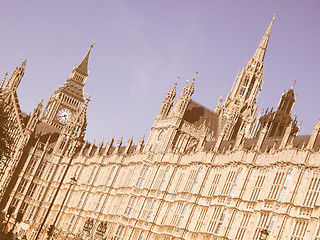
(142, 46)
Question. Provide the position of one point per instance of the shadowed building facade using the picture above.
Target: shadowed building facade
(225, 173)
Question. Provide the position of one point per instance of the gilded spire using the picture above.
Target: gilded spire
(83, 66)
(262, 48)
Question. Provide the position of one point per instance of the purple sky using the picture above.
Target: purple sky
(142, 46)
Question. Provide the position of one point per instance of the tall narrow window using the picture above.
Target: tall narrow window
(257, 187)
(77, 172)
(182, 215)
(214, 184)
(262, 224)
(313, 192)
(151, 210)
(285, 185)
(99, 203)
(201, 218)
(243, 226)
(236, 181)
(24, 207)
(22, 185)
(179, 213)
(161, 178)
(190, 180)
(93, 173)
(119, 232)
(71, 224)
(279, 185)
(130, 206)
(40, 193)
(43, 214)
(165, 216)
(52, 194)
(164, 178)
(142, 177)
(228, 182)
(110, 177)
(31, 165)
(61, 173)
(299, 230)
(220, 222)
(217, 219)
(141, 235)
(32, 188)
(31, 214)
(317, 236)
(148, 209)
(80, 203)
(40, 169)
(196, 180)
(49, 172)
(178, 184)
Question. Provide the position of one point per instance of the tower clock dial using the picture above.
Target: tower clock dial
(64, 115)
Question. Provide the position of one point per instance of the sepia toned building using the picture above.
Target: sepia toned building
(225, 173)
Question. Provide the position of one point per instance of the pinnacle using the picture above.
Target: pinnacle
(83, 66)
(262, 48)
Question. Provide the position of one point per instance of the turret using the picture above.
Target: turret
(16, 77)
(314, 136)
(280, 118)
(184, 98)
(34, 117)
(261, 137)
(168, 101)
(68, 99)
(239, 108)
(286, 136)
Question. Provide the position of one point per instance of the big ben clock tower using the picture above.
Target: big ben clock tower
(68, 99)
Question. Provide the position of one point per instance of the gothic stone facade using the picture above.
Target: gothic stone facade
(226, 173)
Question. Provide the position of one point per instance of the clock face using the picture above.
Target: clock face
(64, 115)
(160, 135)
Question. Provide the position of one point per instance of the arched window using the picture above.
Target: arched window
(81, 200)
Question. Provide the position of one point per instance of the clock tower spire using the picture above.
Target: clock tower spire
(68, 98)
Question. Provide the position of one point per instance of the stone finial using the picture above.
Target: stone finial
(261, 137)
(218, 142)
(99, 147)
(140, 144)
(126, 150)
(91, 148)
(239, 140)
(314, 135)
(82, 148)
(117, 148)
(108, 147)
(286, 136)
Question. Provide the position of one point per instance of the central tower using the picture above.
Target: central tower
(239, 108)
(68, 99)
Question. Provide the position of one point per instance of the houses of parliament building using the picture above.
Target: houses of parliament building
(231, 172)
